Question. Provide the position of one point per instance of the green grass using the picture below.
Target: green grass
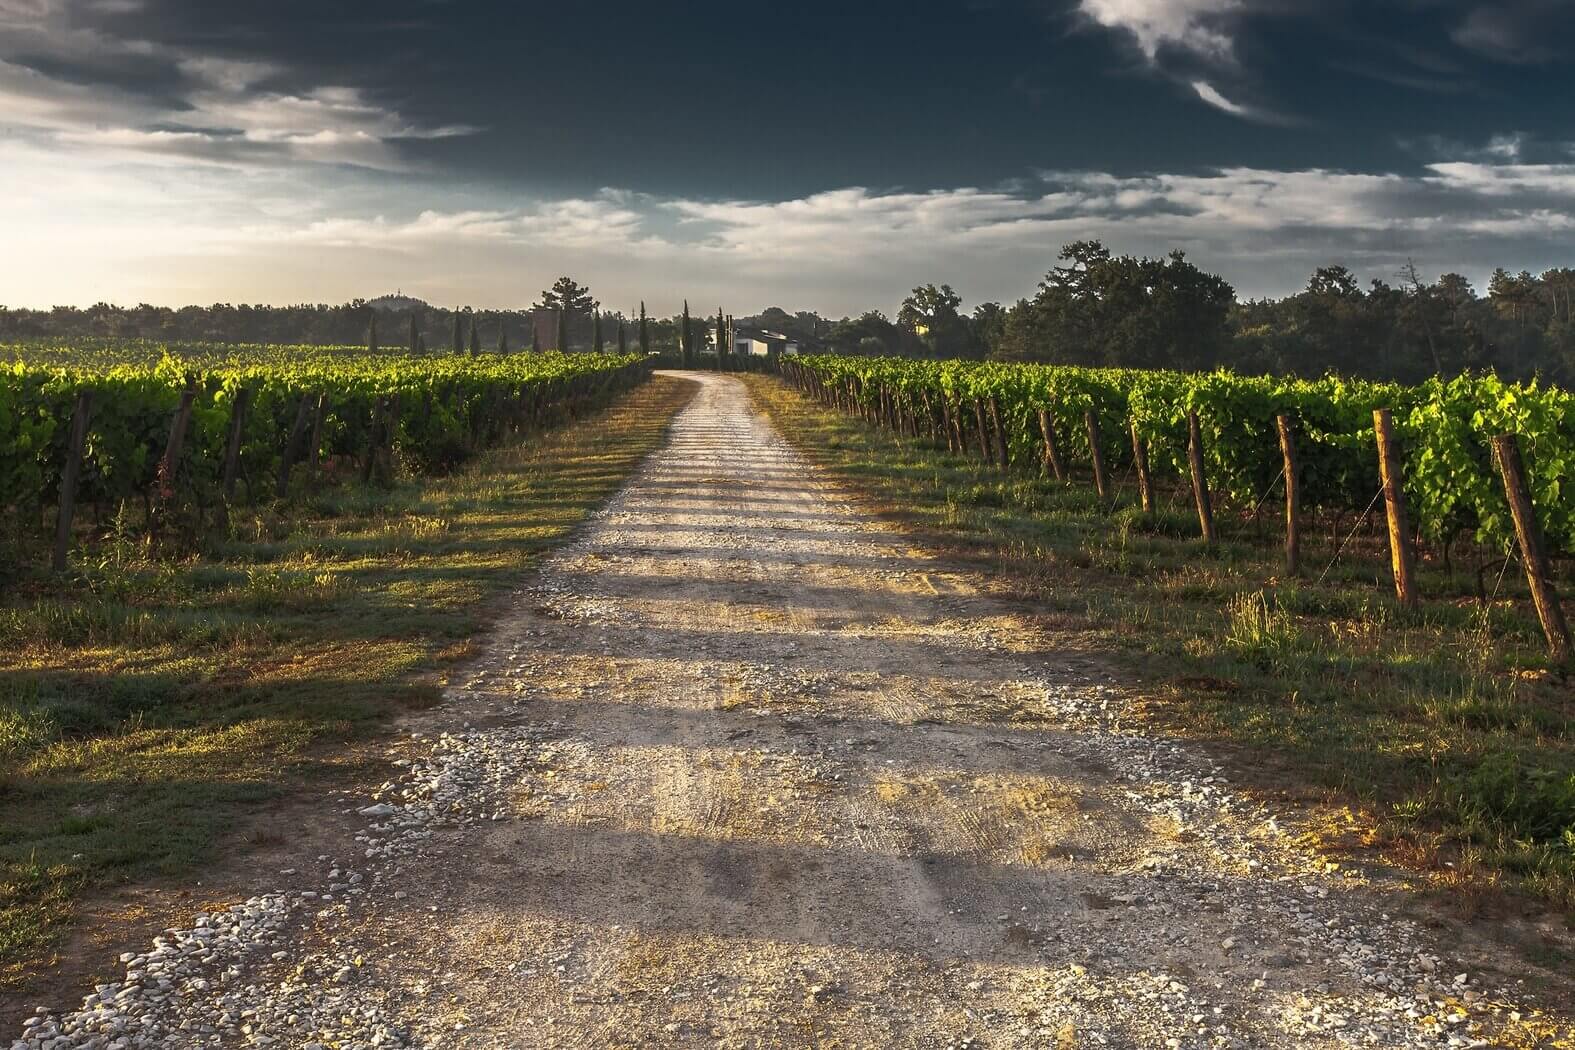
(1440, 731)
(146, 704)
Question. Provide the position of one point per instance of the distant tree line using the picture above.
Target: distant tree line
(1096, 308)
(1091, 308)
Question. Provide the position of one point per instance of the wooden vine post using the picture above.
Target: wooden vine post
(390, 431)
(372, 439)
(1539, 574)
(1052, 453)
(985, 448)
(1293, 497)
(1101, 483)
(315, 448)
(169, 466)
(1200, 481)
(292, 444)
(929, 415)
(1389, 470)
(232, 447)
(70, 478)
(1140, 464)
(1001, 450)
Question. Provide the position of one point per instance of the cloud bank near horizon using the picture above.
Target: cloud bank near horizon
(123, 232)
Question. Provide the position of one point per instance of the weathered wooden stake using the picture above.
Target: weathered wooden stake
(1140, 463)
(985, 448)
(1293, 497)
(1096, 454)
(292, 444)
(1001, 450)
(390, 428)
(169, 466)
(232, 447)
(1390, 471)
(929, 416)
(69, 479)
(372, 442)
(315, 450)
(1200, 481)
(1506, 449)
(1052, 453)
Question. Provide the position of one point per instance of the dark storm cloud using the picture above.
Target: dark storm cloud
(880, 93)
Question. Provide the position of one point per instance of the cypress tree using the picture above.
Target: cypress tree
(535, 339)
(421, 343)
(415, 335)
(685, 338)
(645, 333)
(721, 341)
(503, 337)
(623, 343)
(563, 331)
(459, 334)
(371, 335)
(475, 338)
(596, 331)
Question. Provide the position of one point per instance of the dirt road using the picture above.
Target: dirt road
(745, 769)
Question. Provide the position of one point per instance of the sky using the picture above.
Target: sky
(813, 155)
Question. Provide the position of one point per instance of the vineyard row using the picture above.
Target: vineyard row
(180, 437)
(1468, 453)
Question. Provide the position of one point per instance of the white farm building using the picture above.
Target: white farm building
(760, 343)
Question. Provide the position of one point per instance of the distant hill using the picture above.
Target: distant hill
(396, 303)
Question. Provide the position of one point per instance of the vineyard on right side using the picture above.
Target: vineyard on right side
(1447, 721)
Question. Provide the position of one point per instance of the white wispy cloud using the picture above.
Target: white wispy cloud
(1196, 26)
(1210, 94)
(209, 109)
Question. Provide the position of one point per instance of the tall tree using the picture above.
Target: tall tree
(503, 337)
(645, 331)
(721, 341)
(371, 334)
(574, 303)
(1422, 309)
(989, 327)
(535, 339)
(475, 338)
(623, 344)
(931, 314)
(415, 334)
(568, 294)
(1456, 291)
(596, 331)
(459, 333)
(1513, 296)
(685, 338)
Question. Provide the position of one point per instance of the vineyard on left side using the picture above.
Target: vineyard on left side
(173, 442)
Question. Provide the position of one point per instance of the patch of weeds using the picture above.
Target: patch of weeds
(1257, 630)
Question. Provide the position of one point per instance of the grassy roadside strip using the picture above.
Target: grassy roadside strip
(146, 704)
(1422, 727)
